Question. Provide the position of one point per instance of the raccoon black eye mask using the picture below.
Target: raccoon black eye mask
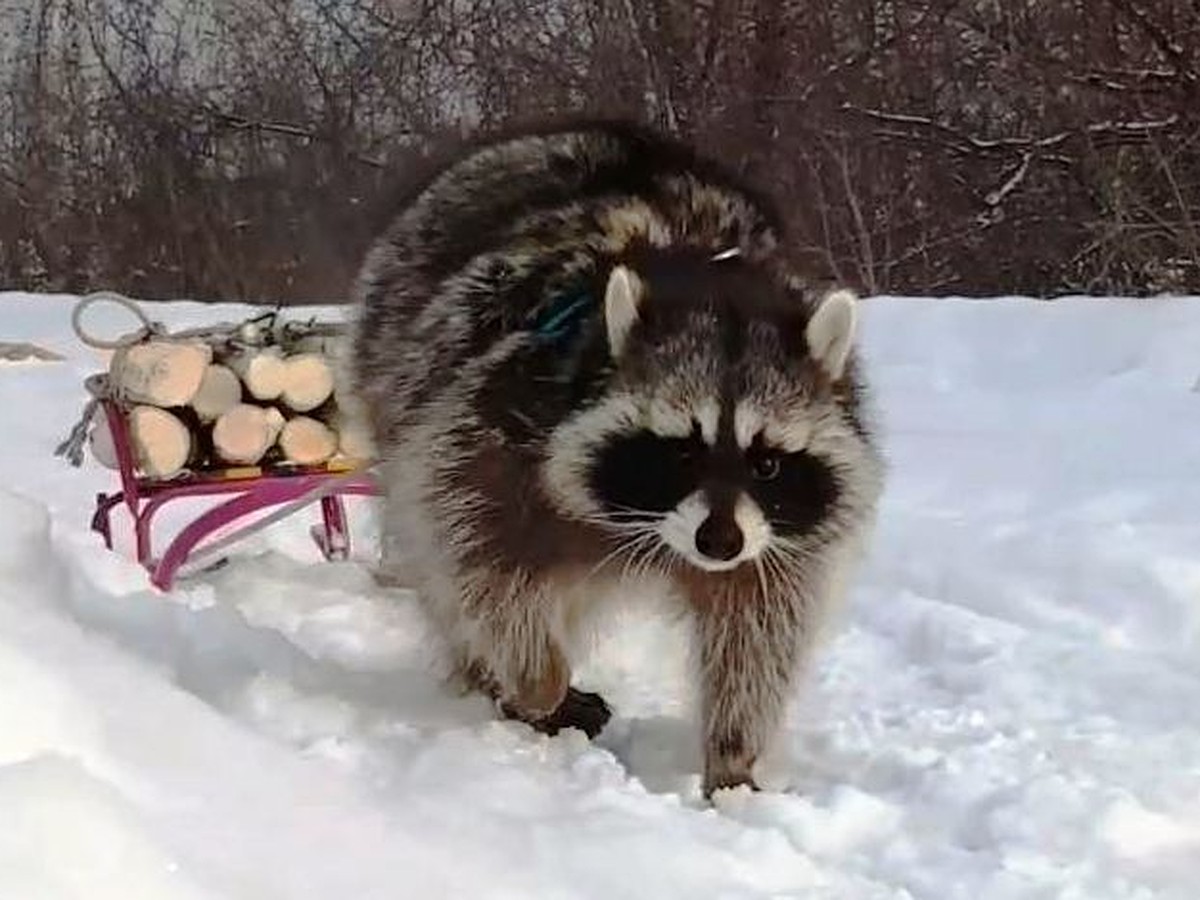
(646, 473)
(650, 474)
(542, 322)
(795, 490)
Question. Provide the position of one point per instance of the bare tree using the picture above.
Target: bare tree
(213, 149)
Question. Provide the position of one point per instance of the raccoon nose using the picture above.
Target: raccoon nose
(719, 538)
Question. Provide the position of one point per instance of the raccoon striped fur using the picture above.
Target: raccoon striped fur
(585, 359)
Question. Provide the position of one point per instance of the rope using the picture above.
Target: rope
(72, 445)
(148, 327)
(250, 331)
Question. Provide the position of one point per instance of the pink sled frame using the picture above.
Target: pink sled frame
(144, 496)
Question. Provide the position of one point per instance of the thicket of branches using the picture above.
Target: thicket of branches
(240, 149)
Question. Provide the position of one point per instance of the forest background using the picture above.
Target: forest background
(244, 150)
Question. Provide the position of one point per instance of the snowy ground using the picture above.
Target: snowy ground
(1010, 710)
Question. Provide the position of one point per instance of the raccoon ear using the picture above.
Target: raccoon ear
(830, 331)
(622, 303)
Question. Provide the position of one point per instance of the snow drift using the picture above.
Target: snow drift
(1009, 709)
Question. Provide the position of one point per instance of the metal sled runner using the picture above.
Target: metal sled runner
(249, 490)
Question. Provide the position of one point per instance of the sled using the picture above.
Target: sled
(247, 491)
(153, 366)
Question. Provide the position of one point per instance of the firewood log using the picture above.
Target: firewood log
(242, 434)
(307, 441)
(262, 371)
(161, 441)
(307, 381)
(220, 391)
(275, 420)
(159, 373)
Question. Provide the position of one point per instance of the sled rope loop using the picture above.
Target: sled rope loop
(245, 332)
(148, 327)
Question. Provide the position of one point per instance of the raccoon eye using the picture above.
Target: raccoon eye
(764, 466)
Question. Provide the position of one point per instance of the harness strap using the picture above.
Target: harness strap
(562, 318)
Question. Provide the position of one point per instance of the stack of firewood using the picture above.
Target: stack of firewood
(249, 395)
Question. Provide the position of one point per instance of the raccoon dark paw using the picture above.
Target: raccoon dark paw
(584, 710)
(579, 709)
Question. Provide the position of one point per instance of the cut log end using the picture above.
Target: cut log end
(307, 441)
(264, 372)
(161, 441)
(307, 381)
(160, 373)
(243, 434)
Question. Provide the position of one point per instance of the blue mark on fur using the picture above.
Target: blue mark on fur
(562, 319)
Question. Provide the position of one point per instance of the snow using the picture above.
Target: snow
(1008, 709)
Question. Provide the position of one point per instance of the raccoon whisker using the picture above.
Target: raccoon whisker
(762, 578)
(671, 562)
(635, 542)
(633, 510)
(619, 523)
(774, 568)
(785, 523)
(635, 561)
(630, 518)
(788, 575)
(622, 513)
(782, 548)
(634, 554)
(775, 520)
(657, 558)
(642, 559)
(627, 545)
(793, 550)
(785, 566)
(650, 561)
(623, 528)
(622, 517)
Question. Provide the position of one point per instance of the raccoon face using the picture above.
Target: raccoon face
(727, 436)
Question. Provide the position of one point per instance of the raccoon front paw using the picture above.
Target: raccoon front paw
(716, 781)
(579, 709)
(584, 710)
(728, 764)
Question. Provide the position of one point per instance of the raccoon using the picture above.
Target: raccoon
(586, 358)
